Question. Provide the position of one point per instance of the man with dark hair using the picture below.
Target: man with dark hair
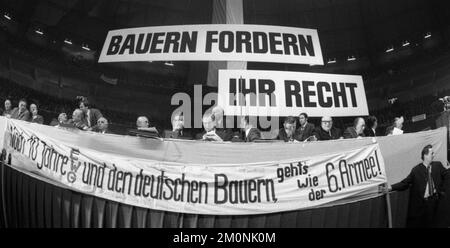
(21, 112)
(355, 131)
(251, 133)
(288, 131)
(36, 118)
(8, 108)
(371, 127)
(306, 129)
(91, 114)
(426, 184)
(326, 131)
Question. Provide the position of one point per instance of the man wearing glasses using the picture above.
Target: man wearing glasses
(326, 131)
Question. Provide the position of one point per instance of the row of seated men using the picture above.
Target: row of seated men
(91, 119)
(214, 129)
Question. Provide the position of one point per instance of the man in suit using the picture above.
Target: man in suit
(102, 126)
(326, 131)
(35, 117)
(288, 131)
(8, 109)
(221, 129)
(426, 184)
(21, 112)
(178, 130)
(251, 133)
(209, 124)
(78, 120)
(371, 127)
(143, 129)
(91, 114)
(306, 129)
(355, 131)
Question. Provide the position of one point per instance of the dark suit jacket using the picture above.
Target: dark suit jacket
(38, 119)
(306, 132)
(24, 116)
(335, 133)
(94, 115)
(282, 135)
(416, 181)
(183, 134)
(253, 134)
(350, 133)
(225, 133)
(368, 132)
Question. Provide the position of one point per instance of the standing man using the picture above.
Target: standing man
(35, 118)
(306, 129)
(21, 112)
(91, 114)
(426, 184)
(355, 131)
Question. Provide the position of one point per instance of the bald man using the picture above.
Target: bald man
(143, 129)
(78, 120)
(102, 125)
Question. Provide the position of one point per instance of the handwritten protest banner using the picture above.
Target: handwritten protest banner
(220, 189)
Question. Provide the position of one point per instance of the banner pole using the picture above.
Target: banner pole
(389, 209)
(3, 194)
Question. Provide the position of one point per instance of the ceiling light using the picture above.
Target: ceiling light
(351, 58)
(427, 35)
(405, 43)
(39, 31)
(390, 49)
(331, 61)
(7, 16)
(67, 41)
(169, 64)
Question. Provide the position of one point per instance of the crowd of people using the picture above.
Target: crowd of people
(294, 129)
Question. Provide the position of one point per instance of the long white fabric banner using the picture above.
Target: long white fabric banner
(281, 93)
(215, 42)
(211, 188)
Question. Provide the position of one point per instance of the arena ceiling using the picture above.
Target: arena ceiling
(361, 28)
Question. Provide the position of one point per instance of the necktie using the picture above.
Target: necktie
(430, 182)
